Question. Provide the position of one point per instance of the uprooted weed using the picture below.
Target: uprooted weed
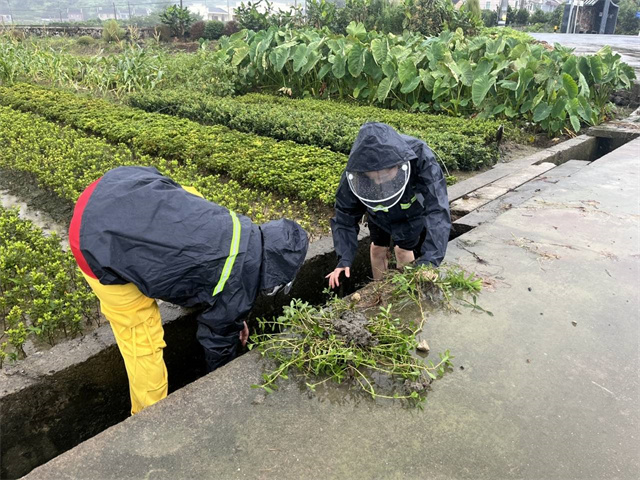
(359, 338)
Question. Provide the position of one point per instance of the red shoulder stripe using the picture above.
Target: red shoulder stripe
(74, 229)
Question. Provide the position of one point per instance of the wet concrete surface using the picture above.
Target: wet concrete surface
(547, 387)
(628, 46)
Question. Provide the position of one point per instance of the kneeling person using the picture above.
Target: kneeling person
(397, 181)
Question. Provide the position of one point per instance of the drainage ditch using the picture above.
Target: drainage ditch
(54, 400)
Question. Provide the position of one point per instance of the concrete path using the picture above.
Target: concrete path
(547, 388)
(628, 46)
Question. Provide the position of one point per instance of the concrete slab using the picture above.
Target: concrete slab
(545, 388)
(500, 187)
(524, 192)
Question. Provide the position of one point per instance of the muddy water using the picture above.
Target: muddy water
(40, 219)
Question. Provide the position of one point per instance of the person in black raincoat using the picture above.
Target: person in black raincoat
(397, 181)
(139, 236)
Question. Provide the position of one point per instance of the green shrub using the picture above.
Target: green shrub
(197, 30)
(86, 41)
(68, 161)
(213, 30)
(231, 27)
(111, 31)
(43, 293)
(162, 33)
(459, 143)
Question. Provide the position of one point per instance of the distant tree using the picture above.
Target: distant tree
(628, 23)
(555, 17)
(522, 17)
(511, 16)
(539, 17)
(178, 19)
(490, 18)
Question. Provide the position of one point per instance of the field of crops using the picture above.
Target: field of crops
(275, 147)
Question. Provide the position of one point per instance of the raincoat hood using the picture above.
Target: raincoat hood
(378, 146)
(284, 248)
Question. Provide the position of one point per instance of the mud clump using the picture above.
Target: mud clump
(352, 327)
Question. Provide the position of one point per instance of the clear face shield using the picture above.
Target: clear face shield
(287, 289)
(380, 189)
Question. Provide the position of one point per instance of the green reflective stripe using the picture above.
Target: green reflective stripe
(379, 208)
(233, 252)
(404, 206)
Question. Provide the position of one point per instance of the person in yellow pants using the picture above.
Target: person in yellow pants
(138, 236)
(137, 327)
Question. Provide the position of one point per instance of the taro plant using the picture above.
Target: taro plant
(489, 76)
(360, 338)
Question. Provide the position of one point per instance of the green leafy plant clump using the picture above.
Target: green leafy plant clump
(461, 76)
(42, 294)
(360, 338)
(298, 171)
(458, 142)
(65, 161)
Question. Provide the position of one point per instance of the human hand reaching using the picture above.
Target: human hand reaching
(334, 277)
(244, 335)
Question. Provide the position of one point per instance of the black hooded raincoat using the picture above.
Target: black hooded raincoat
(422, 210)
(137, 226)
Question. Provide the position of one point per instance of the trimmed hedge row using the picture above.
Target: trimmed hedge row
(299, 171)
(460, 143)
(65, 161)
(43, 294)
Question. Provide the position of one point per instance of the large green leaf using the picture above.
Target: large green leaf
(279, 57)
(411, 85)
(239, 55)
(541, 112)
(312, 59)
(483, 68)
(558, 107)
(357, 30)
(324, 70)
(389, 69)
(569, 85)
(575, 123)
(427, 79)
(380, 50)
(407, 71)
(371, 68)
(480, 88)
(596, 68)
(466, 72)
(361, 85)
(584, 86)
(356, 60)
(383, 89)
(299, 57)
(339, 66)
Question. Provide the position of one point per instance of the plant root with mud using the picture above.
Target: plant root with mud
(359, 338)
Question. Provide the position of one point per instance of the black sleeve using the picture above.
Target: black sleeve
(345, 224)
(430, 182)
(220, 324)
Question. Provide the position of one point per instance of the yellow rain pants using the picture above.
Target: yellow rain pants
(137, 326)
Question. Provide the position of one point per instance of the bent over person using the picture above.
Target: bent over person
(139, 236)
(396, 180)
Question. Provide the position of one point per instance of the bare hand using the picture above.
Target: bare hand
(334, 277)
(244, 334)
